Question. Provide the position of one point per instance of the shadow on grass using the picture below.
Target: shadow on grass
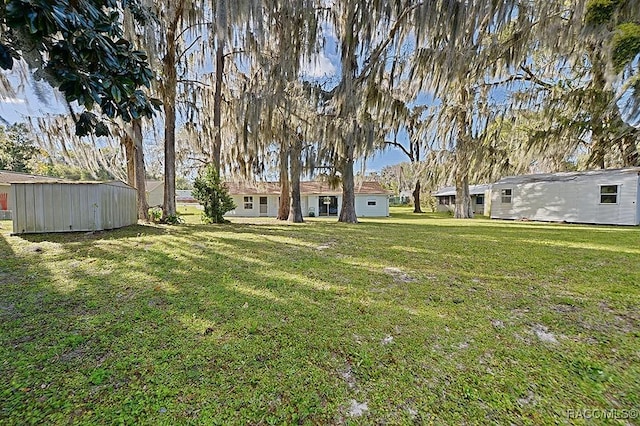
(75, 237)
(259, 323)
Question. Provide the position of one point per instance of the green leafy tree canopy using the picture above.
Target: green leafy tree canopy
(16, 148)
(79, 48)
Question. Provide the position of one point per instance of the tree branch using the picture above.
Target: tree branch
(233, 52)
(187, 49)
(375, 56)
(399, 145)
(534, 78)
(193, 82)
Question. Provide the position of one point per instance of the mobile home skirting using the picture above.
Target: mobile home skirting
(72, 207)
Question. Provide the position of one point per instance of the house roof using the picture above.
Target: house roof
(16, 177)
(565, 176)
(185, 196)
(306, 188)
(451, 190)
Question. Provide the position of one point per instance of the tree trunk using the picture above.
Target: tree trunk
(140, 184)
(599, 105)
(463, 208)
(169, 91)
(348, 209)
(416, 198)
(217, 104)
(285, 199)
(130, 154)
(629, 149)
(295, 212)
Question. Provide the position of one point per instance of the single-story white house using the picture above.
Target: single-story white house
(317, 199)
(610, 197)
(446, 198)
(9, 177)
(155, 192)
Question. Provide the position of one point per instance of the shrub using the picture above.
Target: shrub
(213, 195)
(155, 214)
(173, 219)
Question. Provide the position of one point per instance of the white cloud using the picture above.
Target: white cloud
(318, 66)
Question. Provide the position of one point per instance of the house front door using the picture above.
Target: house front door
(263, 206)
(327, 205)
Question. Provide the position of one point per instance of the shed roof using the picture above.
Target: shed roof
(565, 176)
(7, 176)
(306, 188)
(451, 190)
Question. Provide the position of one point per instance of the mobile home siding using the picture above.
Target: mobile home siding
(572, 199)
(64, 207)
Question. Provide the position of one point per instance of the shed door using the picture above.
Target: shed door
(263, 206)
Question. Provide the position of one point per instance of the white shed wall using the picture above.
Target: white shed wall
(575, 200)
(63, 207)
(363, 209)
(155, 197)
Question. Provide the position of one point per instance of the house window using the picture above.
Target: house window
(371, 203)
(248, 203)
(479, 200)
(505, 195)
(609, 194)
(443, 201)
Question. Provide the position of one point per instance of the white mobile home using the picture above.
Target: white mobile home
(72, 206)
(446, 198)
(316, 198)
(610, 197)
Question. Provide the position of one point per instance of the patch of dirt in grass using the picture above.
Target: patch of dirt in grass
(399, 275)
(497, 323)
(77, 353)
(9, 312)
(529, 399)
(347, 376)
(20, 340)
(325, 246)
(386, 340)
(543, 334)
(357, 409)
(564, 308)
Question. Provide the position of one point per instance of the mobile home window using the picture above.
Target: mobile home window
(609, 194)
(371, 203)
(479, 200)
(248, 203)
(506, 196)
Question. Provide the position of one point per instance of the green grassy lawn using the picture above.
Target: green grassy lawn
(413, 318)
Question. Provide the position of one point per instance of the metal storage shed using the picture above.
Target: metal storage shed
(7, 178)
(72, 206)
(608, 197)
